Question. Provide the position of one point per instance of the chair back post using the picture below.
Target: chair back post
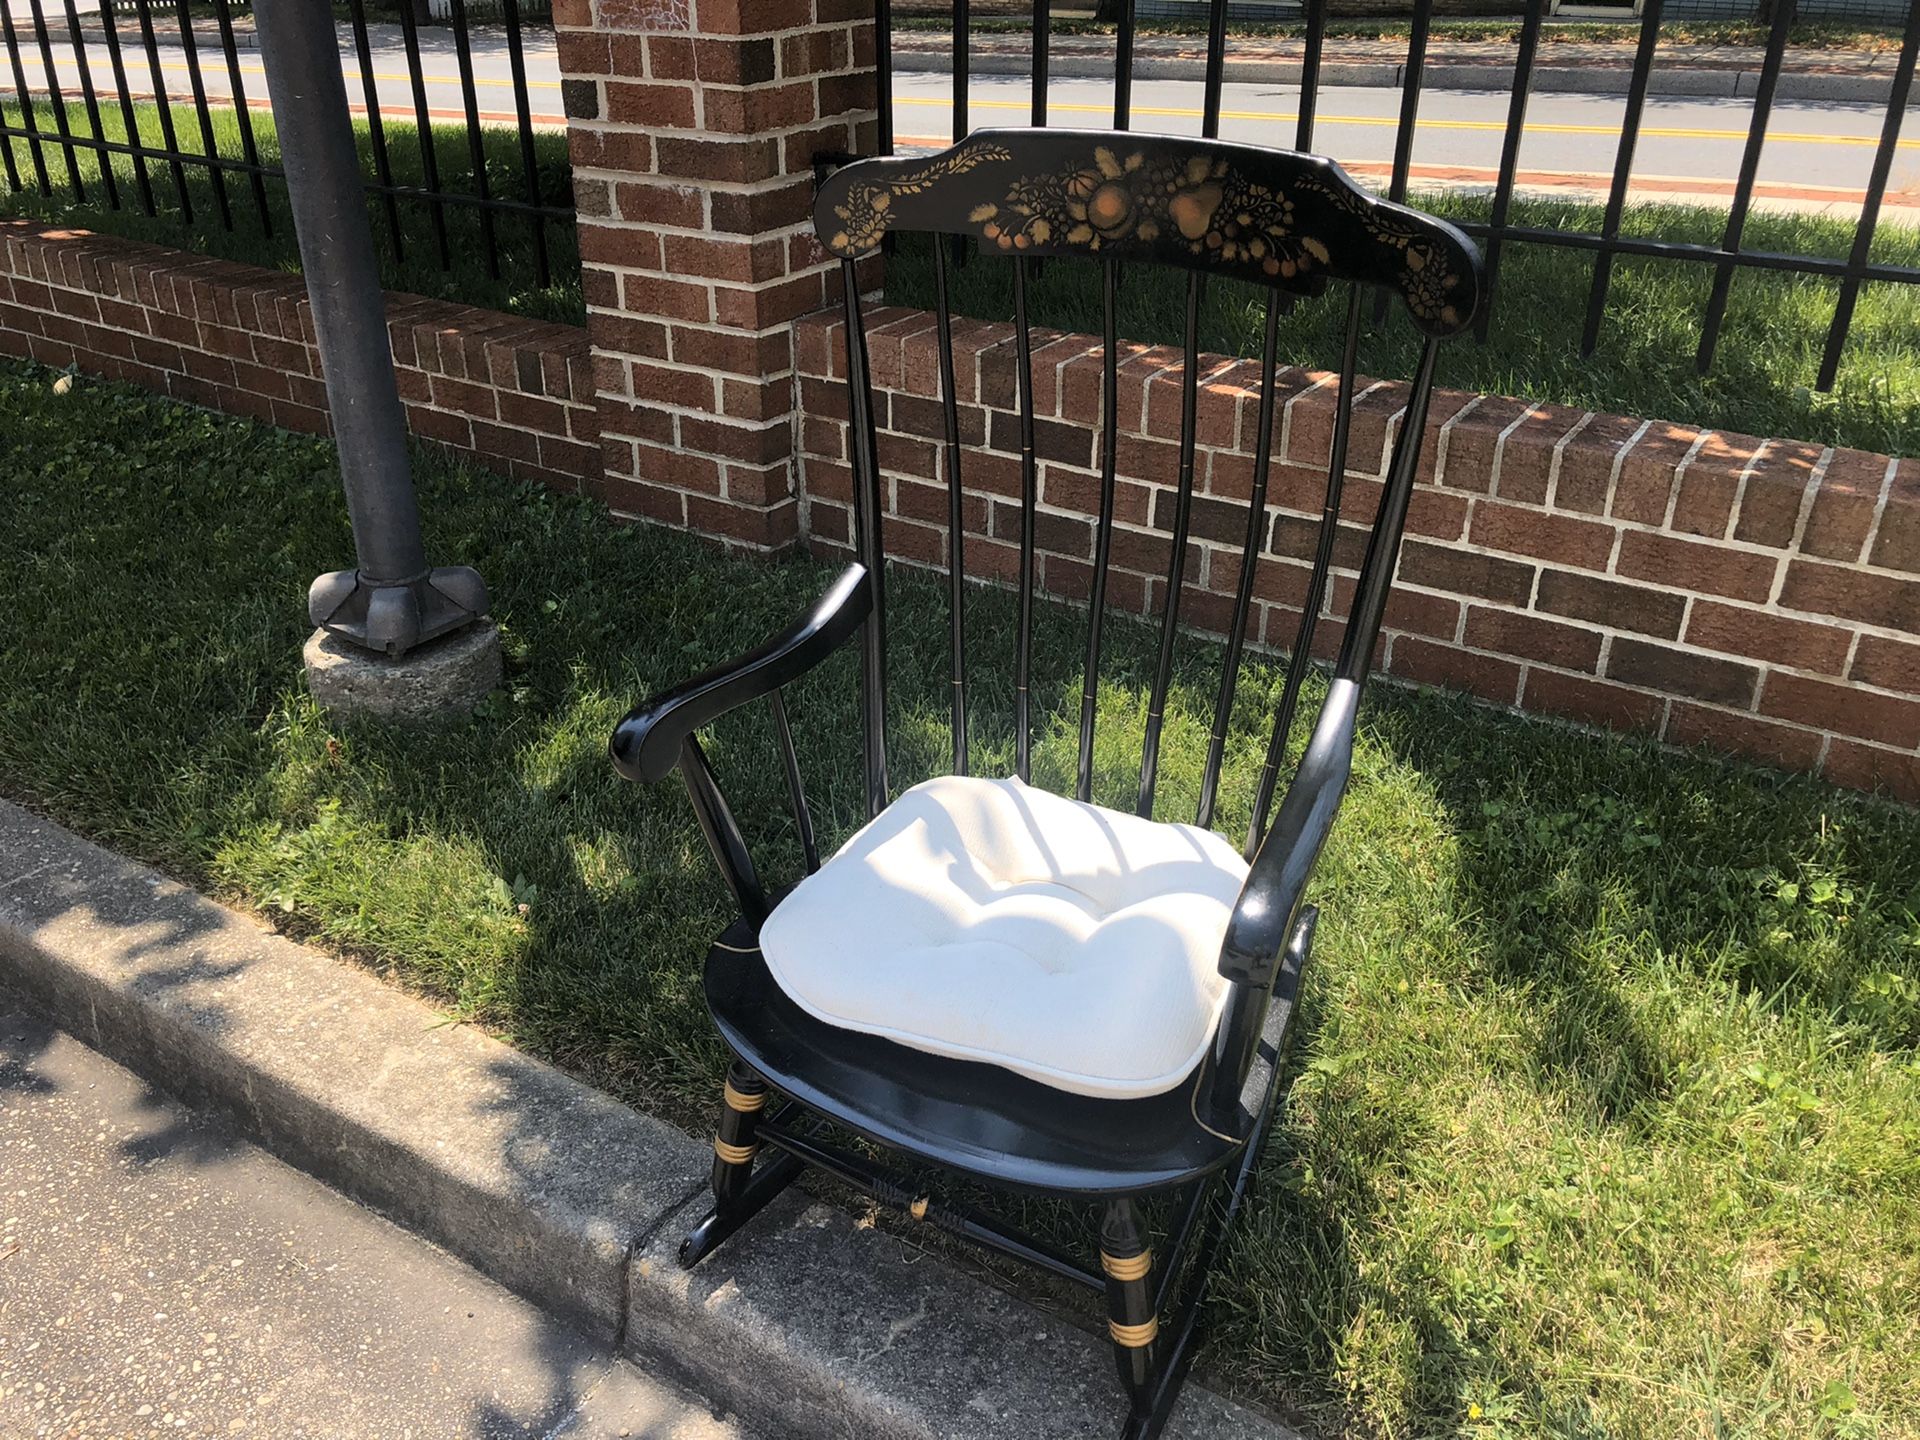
(1238, 1036)
(868, 541)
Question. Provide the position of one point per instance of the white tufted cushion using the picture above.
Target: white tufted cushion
(989, 921)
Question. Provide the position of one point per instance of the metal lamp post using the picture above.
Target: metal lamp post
(392, 601)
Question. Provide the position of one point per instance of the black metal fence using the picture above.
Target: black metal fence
(167, 95)
(1499, 228)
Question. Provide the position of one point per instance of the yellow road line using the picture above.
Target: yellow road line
(1175, 112)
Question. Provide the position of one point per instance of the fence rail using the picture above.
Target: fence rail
(75, 122)
(163, 54)
(1606, 244)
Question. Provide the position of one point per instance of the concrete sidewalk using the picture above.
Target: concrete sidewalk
(810, 1324)
(159, 1276)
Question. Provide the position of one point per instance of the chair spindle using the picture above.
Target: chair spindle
(864, 450)
(1103, 534)
(796, 791)
(1249, 562)
(956, 516)
(1176, 567)
(1383, 546)
(1029, 501)
(1302, 654)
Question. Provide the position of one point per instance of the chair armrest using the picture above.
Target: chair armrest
(646, 745)
(1263, 915)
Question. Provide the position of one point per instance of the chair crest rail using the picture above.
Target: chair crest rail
(1273, 217)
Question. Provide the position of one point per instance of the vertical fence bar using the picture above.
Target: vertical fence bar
(30, 119)
(1177, 566)
(1123, 68)
(1042, 33)
(6, 154)
(1103, 532)
(1249, 561)
(129, 117)
(56, 100)
(1622, 172)
(883, 70)
(962, 78)
(1216, 71)
(209, 147)
(1310, 74)
(529, 160)
(863, 448)
(1029, 502)
(163, 103)
(243, 114)
(1316, 584)
(962, 81)
(476, 144)
(956, 512)
(1743, 186)
(423, 122)
(90, 98)
(376, 127)
(1510, 155)
(1870, 211)
(1410, 86)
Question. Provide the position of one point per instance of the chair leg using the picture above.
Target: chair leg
(1131, 1320)
(744, 1095)
(739, 1192)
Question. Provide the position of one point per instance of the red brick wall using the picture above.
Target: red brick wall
(517, 395)
(693, 130)
(1759, 596)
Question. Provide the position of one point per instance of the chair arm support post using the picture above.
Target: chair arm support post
(1242, 1026)
(729, 846)
(1263, 915)
(649, 742)
(1268, 924)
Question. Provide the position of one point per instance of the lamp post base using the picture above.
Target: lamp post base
(438, 681)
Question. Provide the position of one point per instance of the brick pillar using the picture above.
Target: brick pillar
(693, 127)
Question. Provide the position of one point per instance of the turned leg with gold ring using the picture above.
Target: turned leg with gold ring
(739, 1191)
(745, 1096)
(1131, 1322)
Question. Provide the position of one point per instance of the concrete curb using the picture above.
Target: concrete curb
(805, 1325)
(1439, 75)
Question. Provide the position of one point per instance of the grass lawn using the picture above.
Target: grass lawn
(1768, 357)
(1607, 1108)
(414, 268)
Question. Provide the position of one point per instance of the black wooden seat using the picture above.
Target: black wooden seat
(1291, 224)
(971, 1117)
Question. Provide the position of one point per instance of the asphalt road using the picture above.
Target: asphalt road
(158, 1276)
(1818, 154)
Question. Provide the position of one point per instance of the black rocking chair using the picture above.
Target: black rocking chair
(989, 885)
